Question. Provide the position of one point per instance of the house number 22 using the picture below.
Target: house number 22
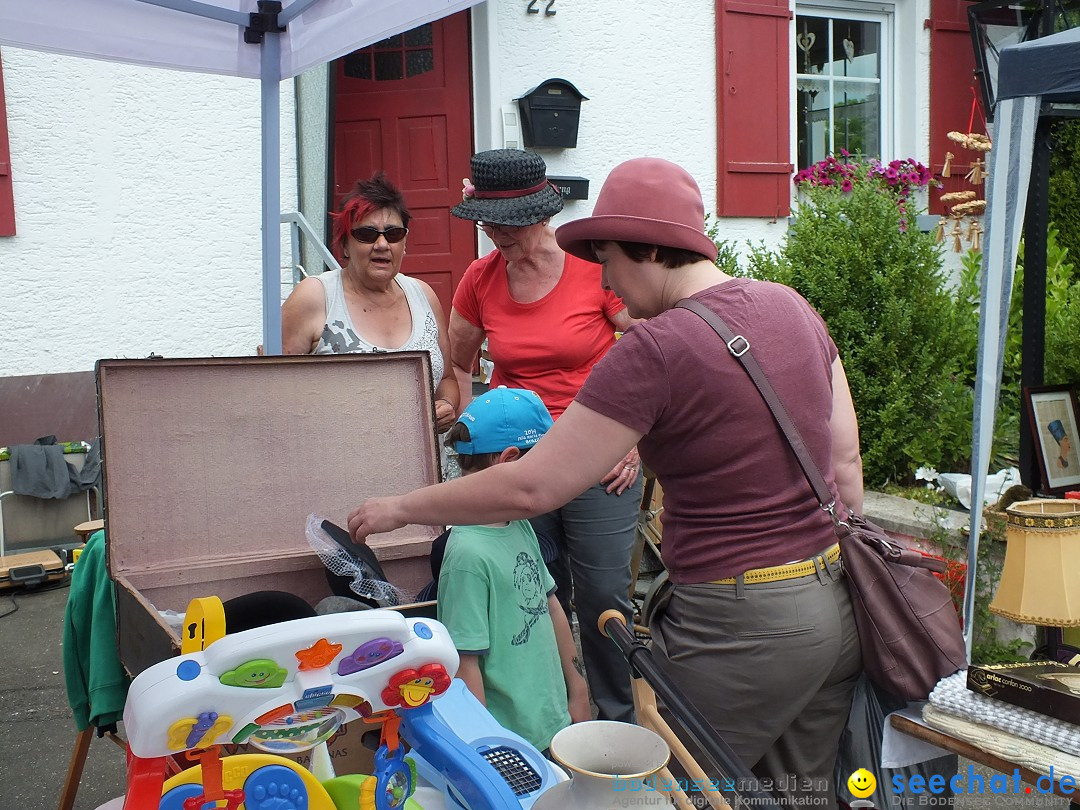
(549, 10)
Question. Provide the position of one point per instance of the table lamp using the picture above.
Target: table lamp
(1040, 580)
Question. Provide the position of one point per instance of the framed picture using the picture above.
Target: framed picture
(1054, 418)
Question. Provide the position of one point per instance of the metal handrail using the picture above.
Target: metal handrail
(298, 225)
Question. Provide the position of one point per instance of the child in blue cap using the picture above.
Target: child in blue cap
(495, 594)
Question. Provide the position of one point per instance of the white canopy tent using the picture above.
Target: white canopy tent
(270, 41)
(1029, 74)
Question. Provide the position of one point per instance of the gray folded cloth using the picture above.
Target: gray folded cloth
(40, 470)
(338, 604)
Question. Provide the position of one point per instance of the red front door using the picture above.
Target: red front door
(403, 105)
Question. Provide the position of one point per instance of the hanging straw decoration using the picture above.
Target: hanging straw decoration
(975, 141)
(966, 203)
(953, 198)
(970, 207)
(977, 175)
(939, 234)
(958, 246)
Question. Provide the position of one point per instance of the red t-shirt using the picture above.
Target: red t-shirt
(734, 495)
(547, 346)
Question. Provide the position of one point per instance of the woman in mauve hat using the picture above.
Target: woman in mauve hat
(759, 631)
(548, 320)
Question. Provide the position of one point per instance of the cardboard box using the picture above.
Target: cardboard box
(212, 465)
(1047, 687)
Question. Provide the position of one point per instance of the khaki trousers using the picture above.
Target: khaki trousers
(773, 667)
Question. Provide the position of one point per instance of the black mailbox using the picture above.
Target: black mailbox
(550, 114)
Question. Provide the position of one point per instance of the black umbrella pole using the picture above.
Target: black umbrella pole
(613, 625)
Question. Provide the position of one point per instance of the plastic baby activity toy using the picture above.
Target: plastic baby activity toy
(288, 687)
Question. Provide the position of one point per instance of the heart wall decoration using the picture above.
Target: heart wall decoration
(849, 50)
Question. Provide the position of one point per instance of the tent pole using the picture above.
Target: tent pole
(1006, 194)
(202, 10)
(295, 9)
(270, 81)
(1033, 341)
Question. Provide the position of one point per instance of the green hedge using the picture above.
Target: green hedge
(881, 290)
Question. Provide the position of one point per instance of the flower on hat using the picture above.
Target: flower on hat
(467, 189)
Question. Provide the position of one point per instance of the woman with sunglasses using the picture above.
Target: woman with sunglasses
(368, 306)
(547, 321)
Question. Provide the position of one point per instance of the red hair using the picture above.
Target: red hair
(366, 197)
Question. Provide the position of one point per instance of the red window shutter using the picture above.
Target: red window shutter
(952, 80)
(753, 52)
(7, 198)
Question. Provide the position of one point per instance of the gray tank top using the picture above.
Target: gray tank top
(341, 337)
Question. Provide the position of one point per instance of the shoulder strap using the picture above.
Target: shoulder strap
(739, 347)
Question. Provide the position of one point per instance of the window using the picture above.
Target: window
(842, 95)
(398, 57)
(7, 199)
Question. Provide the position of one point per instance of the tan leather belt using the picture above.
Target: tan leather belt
(793, 570)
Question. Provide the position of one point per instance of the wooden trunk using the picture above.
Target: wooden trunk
(212, 465)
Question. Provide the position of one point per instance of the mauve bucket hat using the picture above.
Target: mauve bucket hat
(646, 200)
(508, 187)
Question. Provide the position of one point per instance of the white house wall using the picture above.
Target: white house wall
(137, 204)
(137, 190)
(649, 71)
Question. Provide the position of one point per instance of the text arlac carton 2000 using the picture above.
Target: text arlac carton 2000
(212, 465)
(1047, 687)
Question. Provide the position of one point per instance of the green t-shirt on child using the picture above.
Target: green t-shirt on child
(493, 590)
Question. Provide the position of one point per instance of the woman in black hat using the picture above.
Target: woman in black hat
(547, 321)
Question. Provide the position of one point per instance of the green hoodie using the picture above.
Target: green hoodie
(96, 682)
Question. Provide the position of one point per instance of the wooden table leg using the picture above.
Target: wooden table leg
(75, 768)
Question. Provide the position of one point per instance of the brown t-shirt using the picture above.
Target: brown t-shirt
(734, 496)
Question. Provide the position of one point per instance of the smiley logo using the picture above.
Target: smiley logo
(862, 783)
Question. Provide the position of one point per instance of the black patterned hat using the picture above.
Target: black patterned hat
(508, 187)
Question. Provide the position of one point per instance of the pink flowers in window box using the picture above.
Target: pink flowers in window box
(847, 171)
(898, 177)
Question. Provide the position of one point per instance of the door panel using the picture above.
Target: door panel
(404, 106)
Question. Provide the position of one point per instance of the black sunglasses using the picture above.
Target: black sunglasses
(369, 235)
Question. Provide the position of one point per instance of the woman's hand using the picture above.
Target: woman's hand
(624, 474)
(374, 516)
(445, 414)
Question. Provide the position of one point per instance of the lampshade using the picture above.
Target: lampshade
(1040, 581)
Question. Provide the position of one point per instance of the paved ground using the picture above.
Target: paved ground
(36, 730)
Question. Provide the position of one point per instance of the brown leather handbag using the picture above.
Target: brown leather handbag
(908, 627)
